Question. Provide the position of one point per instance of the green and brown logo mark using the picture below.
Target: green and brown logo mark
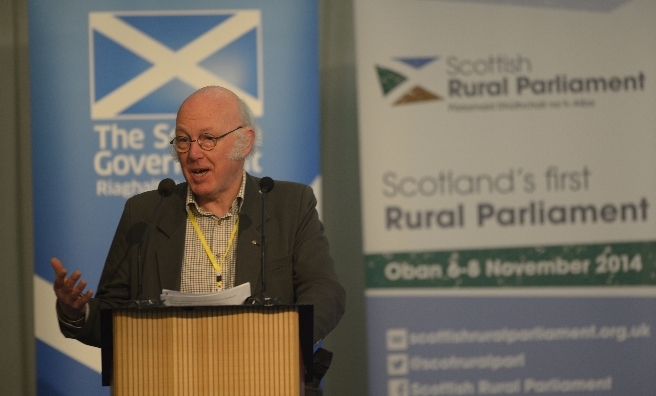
(390, 80)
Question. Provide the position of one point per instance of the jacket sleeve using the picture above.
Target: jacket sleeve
(314, 276)
(114, 286)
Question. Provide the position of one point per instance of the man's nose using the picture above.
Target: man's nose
(194, 149)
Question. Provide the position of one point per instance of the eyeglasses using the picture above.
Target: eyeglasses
(206, 141)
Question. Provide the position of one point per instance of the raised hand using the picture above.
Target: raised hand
(71, 297)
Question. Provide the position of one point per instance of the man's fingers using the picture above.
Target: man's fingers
(70, 291)
(84, 298)
(81, 300)
(60, 272)
(56, 263)
(77, 290)
(72, 280)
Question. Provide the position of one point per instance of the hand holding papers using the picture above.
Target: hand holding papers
(235, 296)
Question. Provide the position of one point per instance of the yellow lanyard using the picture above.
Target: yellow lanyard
(218, 267)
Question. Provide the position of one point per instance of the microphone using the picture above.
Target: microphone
(266, 185)
(165, 189)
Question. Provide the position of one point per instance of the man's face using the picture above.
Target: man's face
(212, 175)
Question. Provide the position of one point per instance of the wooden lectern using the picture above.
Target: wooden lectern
(223, 350)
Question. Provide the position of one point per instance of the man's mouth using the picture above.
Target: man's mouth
(199, 172)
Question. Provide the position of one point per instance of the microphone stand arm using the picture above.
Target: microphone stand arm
(262, 298)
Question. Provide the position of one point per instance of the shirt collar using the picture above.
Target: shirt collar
(234, 208)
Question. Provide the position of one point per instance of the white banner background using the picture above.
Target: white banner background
(509, 96)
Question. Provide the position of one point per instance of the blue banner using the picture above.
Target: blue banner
(107, 78)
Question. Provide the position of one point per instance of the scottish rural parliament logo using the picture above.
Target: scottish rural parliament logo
(143, 64)
(403, 80)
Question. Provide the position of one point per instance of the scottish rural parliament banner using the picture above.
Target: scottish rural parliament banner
(106, 80)
(509, 189)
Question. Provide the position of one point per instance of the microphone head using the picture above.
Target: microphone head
(166, 187)
(266, 184)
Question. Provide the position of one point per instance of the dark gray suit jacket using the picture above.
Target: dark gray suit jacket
(299, 267)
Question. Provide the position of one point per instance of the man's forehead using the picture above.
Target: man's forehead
(207, 129)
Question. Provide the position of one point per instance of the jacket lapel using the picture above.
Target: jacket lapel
(170, 251)
(249, 253)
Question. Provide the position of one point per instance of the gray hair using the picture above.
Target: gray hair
(248, 120)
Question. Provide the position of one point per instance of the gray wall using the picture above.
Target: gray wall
(17, 363)
(341, 199)
(341, 194)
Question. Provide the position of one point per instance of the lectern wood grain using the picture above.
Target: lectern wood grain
(230, 351)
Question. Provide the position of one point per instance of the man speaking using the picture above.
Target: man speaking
(205, 235)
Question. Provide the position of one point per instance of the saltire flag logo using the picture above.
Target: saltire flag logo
(144, 64)
(390, 79)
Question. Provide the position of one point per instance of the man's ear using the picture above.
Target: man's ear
(250, 133)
